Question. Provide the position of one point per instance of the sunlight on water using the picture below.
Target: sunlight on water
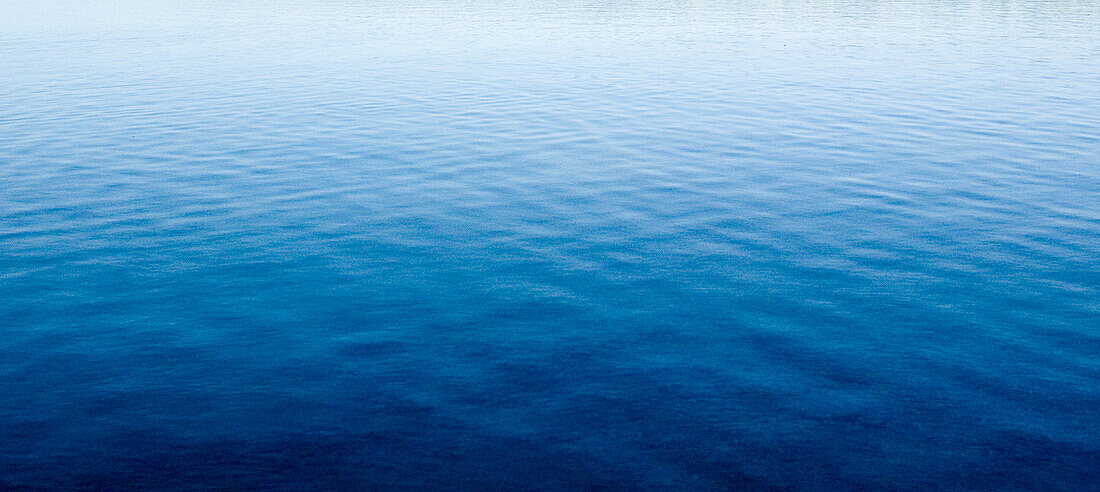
(702, 244)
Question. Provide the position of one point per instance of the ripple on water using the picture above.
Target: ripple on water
(765, 244)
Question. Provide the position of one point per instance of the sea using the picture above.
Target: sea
(550, 244)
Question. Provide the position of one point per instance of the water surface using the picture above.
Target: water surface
(703, 244)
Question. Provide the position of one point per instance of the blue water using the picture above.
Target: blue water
(550, 244)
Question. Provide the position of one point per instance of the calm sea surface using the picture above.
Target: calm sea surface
(556, 243)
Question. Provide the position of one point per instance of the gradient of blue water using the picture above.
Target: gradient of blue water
(652, 244)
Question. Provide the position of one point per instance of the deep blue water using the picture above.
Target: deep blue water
(544, 244)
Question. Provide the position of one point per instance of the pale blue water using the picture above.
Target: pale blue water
(544, 244)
